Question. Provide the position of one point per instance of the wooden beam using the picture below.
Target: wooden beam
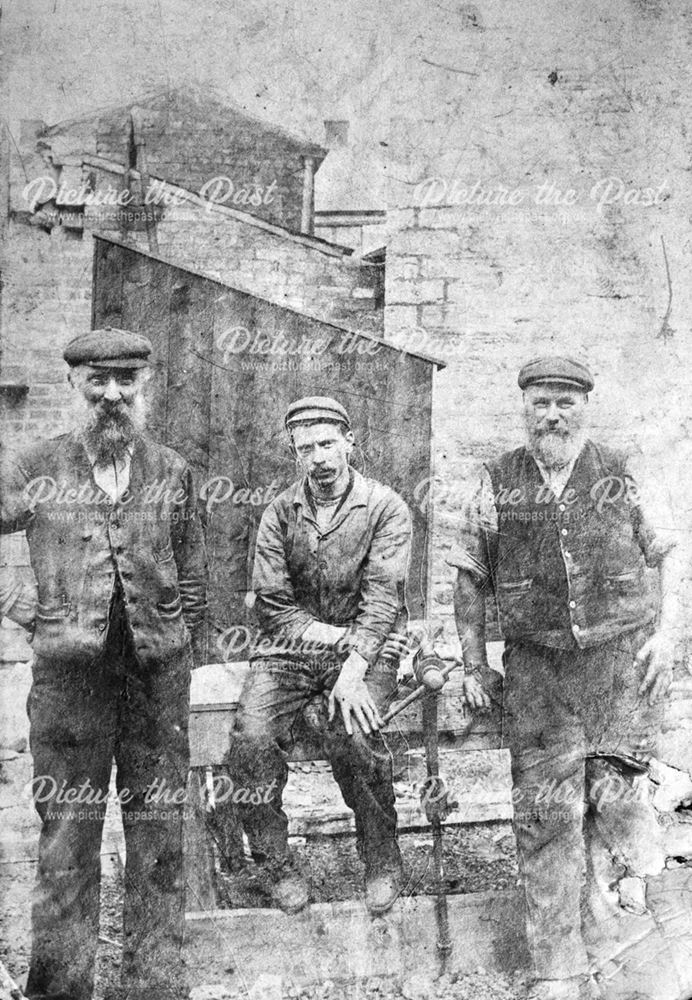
(214, 701)
(307, 216)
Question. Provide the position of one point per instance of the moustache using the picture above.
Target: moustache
(561, 432)
(110, 417)
(111, 408)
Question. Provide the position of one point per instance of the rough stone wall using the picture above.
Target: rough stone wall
(526, 102)
(544, 207)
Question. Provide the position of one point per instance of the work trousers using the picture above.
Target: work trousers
(579, 736)
(83, 715)
(275, 694)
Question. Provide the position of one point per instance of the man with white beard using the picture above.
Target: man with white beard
(587, 601)
(118, 554)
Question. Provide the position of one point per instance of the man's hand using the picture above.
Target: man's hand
(475, 694)
(658, 653)
(353, 698)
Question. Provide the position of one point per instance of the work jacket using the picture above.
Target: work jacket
(574, 568)
(80, 540)
(351, 573)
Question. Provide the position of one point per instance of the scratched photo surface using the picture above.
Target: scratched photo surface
(345, 367)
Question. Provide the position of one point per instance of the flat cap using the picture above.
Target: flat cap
(316, 408)
(566, 371)
(108, 348)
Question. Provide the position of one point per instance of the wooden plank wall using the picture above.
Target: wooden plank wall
(224, 410)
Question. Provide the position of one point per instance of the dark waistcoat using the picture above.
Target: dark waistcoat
(569, 570)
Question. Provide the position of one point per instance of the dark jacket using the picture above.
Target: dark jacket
(353, 573)
(573, 569)
(79, 539)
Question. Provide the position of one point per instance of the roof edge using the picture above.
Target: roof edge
(438, 362)
(300, 141)
(324, 246)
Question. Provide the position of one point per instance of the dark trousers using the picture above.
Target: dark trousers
(574, 726)
(275, 694)
(82, 716)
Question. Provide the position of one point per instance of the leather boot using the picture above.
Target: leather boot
(287, 885)
(384, 878)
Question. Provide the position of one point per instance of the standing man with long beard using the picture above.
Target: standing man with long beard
(117, 549)
(558, 536)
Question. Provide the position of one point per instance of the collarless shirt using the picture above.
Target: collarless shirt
(112, 477)
(557, 479)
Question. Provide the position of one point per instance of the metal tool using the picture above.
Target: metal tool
(432, 673)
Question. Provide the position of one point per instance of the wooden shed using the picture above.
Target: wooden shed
(227, 365)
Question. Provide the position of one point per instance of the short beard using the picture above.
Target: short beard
(111, 429)
(555, 449)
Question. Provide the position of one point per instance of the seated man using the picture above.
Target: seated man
(329, 577)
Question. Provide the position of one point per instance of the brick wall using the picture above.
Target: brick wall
(48, 277)
(497, 98)
(191, 139)
(534, 100)
(530, 99)
(306, 274)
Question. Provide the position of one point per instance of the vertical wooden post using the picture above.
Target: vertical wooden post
(142, 166)
(307, 220)
(198, 850)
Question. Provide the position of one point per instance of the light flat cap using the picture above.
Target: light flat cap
(108, 348)
(316, 408)
(565, 371)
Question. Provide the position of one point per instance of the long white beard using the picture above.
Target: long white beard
(555, 449)
(109, 432)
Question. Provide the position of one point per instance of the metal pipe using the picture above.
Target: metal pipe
(444, 940)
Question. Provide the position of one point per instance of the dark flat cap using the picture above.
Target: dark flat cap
(566, 371)
(316, 408)
(108, 348)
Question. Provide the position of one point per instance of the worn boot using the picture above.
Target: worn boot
(287, 885)
(384, 877)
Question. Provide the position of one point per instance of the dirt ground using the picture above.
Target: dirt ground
(476, 857)
(479, 985)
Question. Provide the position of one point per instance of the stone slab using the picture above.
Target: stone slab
(342, 941)
(644, 957)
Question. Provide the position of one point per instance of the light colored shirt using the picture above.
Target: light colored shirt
(113, 477)
(557, 479)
